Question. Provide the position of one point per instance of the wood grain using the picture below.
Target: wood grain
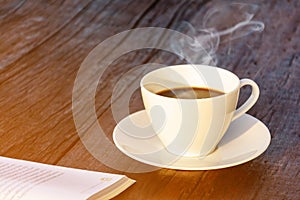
(44, 42)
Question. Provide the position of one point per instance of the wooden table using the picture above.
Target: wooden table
(43, 44)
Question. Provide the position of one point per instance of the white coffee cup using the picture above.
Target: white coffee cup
(193, 127)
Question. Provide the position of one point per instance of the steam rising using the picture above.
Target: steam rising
(220, 24)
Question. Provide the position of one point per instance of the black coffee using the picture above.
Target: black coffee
(190, 93)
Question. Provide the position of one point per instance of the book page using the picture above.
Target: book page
(24, 180)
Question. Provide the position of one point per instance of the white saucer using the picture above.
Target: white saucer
(246, 139)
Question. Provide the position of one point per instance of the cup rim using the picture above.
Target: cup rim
(142, 85)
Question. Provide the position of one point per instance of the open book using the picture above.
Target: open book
(24, 180)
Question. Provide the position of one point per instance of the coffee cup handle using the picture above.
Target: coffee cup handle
(250, 101)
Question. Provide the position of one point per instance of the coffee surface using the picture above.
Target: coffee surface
(190, 93)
